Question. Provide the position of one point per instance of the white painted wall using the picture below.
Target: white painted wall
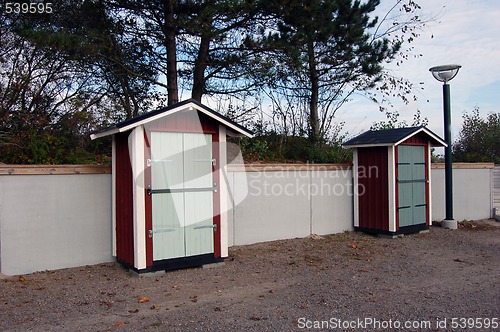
(331, 202)
(59, 221)
(54, 221)
(318, 205)
(472, 193)
(285, 204)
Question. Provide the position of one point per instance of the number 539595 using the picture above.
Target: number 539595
(25, 7)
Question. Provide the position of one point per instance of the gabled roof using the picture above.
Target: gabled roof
(386, 137)
(189, 104)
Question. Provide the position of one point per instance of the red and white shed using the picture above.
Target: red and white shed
(169, 190)
(392, 180)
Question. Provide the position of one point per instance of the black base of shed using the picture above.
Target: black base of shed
(401, 231)
(176, 263)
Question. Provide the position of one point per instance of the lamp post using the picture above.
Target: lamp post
(445, 74)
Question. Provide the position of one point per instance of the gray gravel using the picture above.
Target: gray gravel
(281, 285)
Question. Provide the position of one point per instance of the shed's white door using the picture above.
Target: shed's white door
(182, 194)
(412, 181)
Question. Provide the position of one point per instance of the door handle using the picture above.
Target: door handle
(160, 230)
(214, 227)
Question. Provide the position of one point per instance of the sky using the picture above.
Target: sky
(465, 32)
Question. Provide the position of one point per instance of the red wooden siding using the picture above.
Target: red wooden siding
(418, 139)
(396, 176)
(186, 122)
(124, 201)
(373, 179)
(427, 184)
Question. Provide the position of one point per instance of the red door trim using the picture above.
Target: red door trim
(216, 198)
(148, 203)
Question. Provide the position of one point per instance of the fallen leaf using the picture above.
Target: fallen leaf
(118, 324)
(143, 299)
(155, 307)
(22, 279)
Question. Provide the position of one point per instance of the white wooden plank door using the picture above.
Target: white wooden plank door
(412, 207)
(199, 231)
(182, 194)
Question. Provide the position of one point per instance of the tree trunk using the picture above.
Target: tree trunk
(171, 46)
(200, 66)
(313, 103)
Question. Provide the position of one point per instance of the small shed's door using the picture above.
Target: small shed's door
(182, 194)
(412, 179)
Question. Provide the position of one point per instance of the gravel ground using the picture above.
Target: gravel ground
(281, 285)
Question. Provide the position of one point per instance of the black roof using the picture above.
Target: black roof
(391, 136)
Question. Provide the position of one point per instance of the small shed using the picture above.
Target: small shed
(169, 191)
(392, 180)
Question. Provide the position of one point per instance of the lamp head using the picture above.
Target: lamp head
(445, 73)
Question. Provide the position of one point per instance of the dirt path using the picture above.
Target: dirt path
(281, 285)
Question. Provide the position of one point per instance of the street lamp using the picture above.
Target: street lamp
(445, 74)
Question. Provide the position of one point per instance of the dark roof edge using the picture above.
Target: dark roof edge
(411, 131)
(130, 122)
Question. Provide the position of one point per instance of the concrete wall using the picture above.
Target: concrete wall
(54, 221)
(472, 192)
(59, 221)
(284, 202)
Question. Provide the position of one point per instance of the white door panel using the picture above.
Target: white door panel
(182, 202)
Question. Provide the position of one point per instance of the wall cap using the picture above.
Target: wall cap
(465, 165)
(53, 169)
